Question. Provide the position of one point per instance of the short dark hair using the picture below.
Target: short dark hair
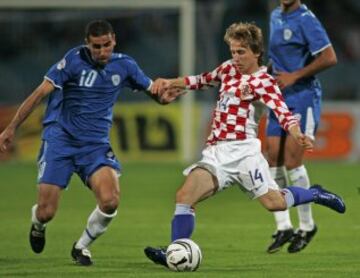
(97, 28)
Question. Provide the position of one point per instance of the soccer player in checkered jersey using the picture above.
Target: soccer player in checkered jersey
(233, 152)
(298, 49)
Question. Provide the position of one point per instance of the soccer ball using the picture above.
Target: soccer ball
(183, 255)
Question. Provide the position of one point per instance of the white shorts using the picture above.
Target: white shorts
(237, 162)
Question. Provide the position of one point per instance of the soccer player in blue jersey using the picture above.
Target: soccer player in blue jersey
(299, 48)
(82, 89)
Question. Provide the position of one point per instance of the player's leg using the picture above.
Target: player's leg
(41, 213)
(199, 185)
(105, 185)
(275, 148)
(293, 196)
(256, 179)
(310, 113)
(55, 170)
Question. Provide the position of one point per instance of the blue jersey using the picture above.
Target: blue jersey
(295, 38)
(86, 93)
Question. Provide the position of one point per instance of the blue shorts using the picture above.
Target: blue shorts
(306, 106)
(60, 157)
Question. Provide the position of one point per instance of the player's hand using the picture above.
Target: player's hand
(6, 138)
(285, 79)
(303, 140)
(159, 85)
(306, 142)
(170, 94)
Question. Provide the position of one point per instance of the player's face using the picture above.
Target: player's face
(244, 59)
(101, 47)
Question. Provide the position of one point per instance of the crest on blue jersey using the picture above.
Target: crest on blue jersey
(110, 155)
(115, 79)
(61, 64)
(287, 34)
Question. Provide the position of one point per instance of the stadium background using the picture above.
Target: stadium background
(157, 141)
(37, 36)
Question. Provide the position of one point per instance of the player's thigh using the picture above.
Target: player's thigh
(306, 107)
(93, 157)
(199, 185)
(275, 150)
(55, 164)
(254, 176)
(294, 154)
(104, 183)
(275, 141)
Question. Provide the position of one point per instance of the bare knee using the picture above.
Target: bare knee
(293, 162)
(45, 212)
(47, 204)
(109, 204)
(108, 200)
(104, 184)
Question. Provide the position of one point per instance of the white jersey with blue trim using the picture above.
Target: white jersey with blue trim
(86, 92)
(295, 38)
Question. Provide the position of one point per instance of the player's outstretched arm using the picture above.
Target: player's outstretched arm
(301, 139)
(25, 109)
(165, 91)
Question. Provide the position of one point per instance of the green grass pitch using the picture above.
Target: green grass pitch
(232, 231)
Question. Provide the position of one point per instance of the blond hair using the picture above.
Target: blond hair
(249, 34)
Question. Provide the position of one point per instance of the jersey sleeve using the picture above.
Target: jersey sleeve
(204, 80)
(59, 73)
(268, 92)
(314, 33)
(136, 79)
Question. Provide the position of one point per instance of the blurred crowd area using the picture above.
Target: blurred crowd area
(34, 39)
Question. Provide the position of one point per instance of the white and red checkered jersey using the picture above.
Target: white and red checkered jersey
(237, 110)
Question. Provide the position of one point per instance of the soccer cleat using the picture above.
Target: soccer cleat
(327, 198)
(81, 256)
(37, 239)
(301, 239)
(280, 238)
(157, 255)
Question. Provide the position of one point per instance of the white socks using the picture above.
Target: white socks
(38, 225)
(97, 224)
(282, 218)
(299, 177)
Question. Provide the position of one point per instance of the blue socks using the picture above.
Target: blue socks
(183, 223)
(295, 196)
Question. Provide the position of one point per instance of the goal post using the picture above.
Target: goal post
(186, 40)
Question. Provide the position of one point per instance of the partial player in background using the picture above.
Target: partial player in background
(233, 153)
(82, 89)
(299, 48)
